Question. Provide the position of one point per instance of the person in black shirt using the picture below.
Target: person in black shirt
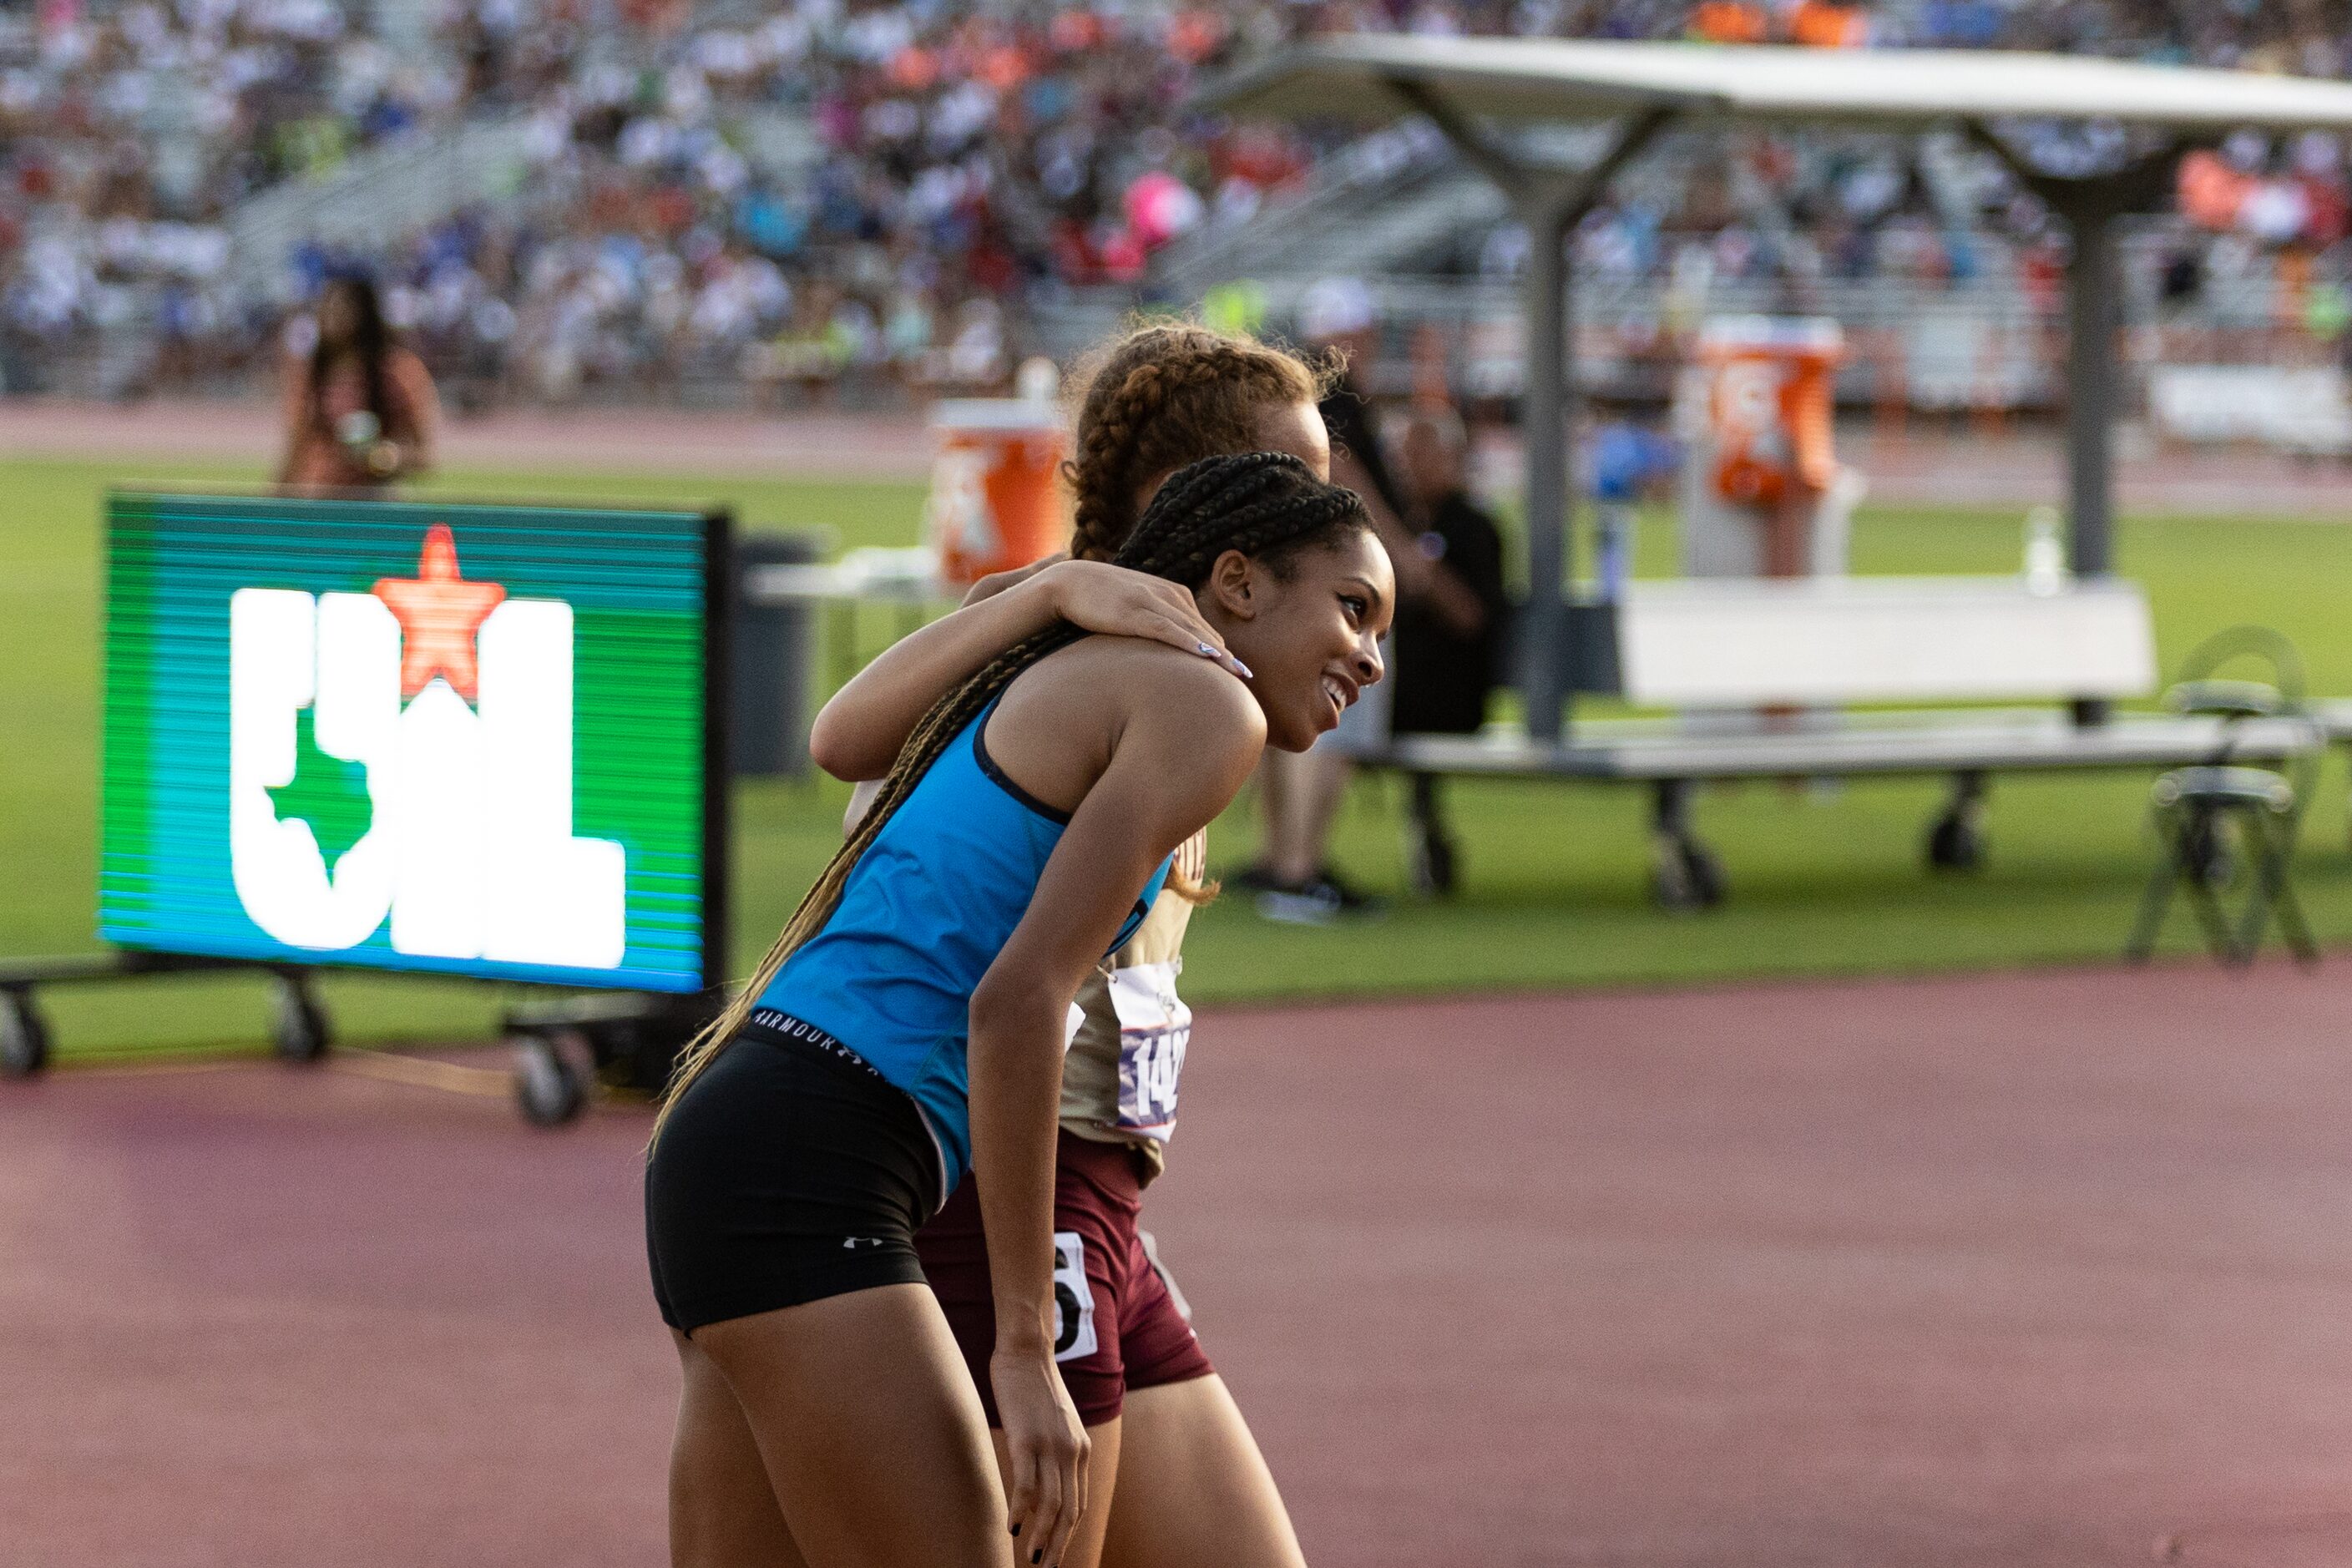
(1448, 638)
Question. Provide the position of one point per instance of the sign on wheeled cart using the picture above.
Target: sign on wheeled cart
(457, 740)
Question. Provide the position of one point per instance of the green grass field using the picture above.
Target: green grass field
(1554, 877)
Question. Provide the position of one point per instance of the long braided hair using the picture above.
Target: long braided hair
(1265, 504)
(1159, 397)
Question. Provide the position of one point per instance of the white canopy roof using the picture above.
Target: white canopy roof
(1539, 79)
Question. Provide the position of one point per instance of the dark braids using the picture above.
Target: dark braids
(1267, 505)
(1261, 503)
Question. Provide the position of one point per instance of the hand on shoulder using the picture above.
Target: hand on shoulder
(1118, 602)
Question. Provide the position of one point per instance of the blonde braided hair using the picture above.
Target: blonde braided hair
(1162, 397)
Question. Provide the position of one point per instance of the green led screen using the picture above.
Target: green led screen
(455, 739)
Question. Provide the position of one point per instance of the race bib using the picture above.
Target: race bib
(1154, 1028)
(1074, 1298)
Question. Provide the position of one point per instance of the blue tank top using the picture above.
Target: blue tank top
(926, 910)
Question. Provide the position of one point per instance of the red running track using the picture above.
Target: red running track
(2034, 1270)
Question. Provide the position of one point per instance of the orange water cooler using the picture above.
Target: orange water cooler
(1763, 494)
(997, 500)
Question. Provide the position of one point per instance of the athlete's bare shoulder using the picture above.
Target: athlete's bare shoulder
(1160, 685)
(1186, 734)
(1060, 724)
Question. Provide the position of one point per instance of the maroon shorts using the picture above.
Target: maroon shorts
(1119, 1324)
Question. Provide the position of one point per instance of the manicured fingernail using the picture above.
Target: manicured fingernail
(1238, 668)
(1016, 1530)
(1038, 1555)
(1208, 652)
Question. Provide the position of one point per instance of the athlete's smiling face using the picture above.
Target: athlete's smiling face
(1309, 626)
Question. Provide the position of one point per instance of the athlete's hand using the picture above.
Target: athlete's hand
(1046, 1448)
(996, 583)
(1119, 603)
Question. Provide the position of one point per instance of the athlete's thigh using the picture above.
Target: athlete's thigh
(1086, 1547)
(1193, 1487)
(870, 1430)
(722, 1509)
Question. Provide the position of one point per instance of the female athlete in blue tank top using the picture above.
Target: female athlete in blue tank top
(894, 970)
(1175, 1474)
(911, 1022)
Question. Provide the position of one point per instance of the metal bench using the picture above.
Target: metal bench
(1757, 672)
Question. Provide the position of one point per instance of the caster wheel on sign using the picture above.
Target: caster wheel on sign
(1955, 844)
(297, 1027)
(23, 1038)
(549, 1091)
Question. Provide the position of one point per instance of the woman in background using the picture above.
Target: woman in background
(360, 410)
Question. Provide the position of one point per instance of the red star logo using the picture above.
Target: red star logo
(439, 612)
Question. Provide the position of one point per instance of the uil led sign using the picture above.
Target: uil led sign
(470, 739)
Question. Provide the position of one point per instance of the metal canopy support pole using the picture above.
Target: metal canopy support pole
(2091, 322)
(1551, 200)
(1550, 389)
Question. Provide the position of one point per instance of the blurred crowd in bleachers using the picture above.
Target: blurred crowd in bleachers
(821, 198)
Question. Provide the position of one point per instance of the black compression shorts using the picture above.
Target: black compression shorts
(788, 1172)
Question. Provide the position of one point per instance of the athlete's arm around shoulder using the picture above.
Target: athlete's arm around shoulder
(859, 732)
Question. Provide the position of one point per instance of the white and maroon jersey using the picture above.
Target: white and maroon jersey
(1128, 1028)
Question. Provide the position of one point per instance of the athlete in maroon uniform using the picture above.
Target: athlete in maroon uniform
(1122, 1327)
